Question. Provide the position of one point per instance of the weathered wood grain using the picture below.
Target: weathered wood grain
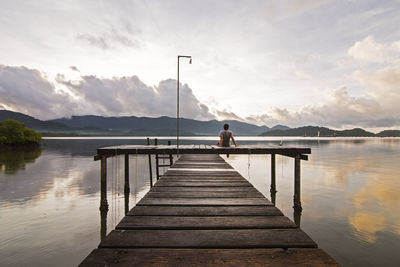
(203, 189)
(205, 211)
(205, 201)
(256, 257)
(204, 195)
(204, 184)
(198, 216)
(204, 222)
(238, 238)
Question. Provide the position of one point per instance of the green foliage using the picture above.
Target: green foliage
(13, 159)
(13, 132)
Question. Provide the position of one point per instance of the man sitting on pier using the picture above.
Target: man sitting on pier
(225, 136)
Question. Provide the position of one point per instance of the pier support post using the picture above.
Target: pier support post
(103, 224)
(150, 169)
(126, 186)
(103, 184)
(273, 174)
(296, 197)
(171, 161)
(157, 163)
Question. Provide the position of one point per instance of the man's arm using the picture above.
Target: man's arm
(233, 140)
(220, 141)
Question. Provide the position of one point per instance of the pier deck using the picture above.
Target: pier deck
(204, 213)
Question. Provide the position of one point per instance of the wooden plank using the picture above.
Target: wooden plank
(202, 174)
(205, 211)
(204, 222)
(205, 201)
(203, 189)
(201, 178)
(208, 257)
(203, 184)
(237, 238)
(200, 166)
(204, 180)
(204, 195)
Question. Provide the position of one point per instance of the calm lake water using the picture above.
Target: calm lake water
(49, 197)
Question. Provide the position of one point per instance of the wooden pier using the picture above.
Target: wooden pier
(202, 212)
(296, 153)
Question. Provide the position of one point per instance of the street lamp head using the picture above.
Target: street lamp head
(190, 61)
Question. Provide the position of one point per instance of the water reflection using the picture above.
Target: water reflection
(13, 159)
(350, 196)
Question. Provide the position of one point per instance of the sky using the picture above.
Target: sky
(290, 62)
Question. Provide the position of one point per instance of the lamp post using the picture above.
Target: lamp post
(177, 103)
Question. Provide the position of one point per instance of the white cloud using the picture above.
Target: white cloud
(340, 110)
(369, 50)
(302, 75)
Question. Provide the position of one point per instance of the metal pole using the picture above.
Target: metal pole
(177, 104)
(177, 111)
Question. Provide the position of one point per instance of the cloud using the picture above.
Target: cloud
(74, 68)
(28, 91)
(303, 75)
(227, 115)
(108, 39)
(339, 110)
(369, 50)
(130, 96)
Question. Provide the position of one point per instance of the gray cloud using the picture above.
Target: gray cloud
(130, 96)
(108, 39)
(74, 68)
(28, 91)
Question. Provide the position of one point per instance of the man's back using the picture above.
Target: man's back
(226, 137)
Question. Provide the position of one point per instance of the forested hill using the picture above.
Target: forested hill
(133, 123)
(314, 131)
(99, 125)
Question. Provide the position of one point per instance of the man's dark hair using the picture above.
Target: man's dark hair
(226, 126)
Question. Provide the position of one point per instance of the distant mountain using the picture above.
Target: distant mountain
(389, 133)
(279, 127)
(318, 131)
(31, 122)
(166, 126)
(132, 123)
(99, 125)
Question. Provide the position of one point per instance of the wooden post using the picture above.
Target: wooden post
(273, 198)
(171, 161)
(297, 217)
(296, 197)
(273, 174)
(126, 202)
(103, 184)
(126, 186)
(150, 170)
(103, 224)
(157, 163)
